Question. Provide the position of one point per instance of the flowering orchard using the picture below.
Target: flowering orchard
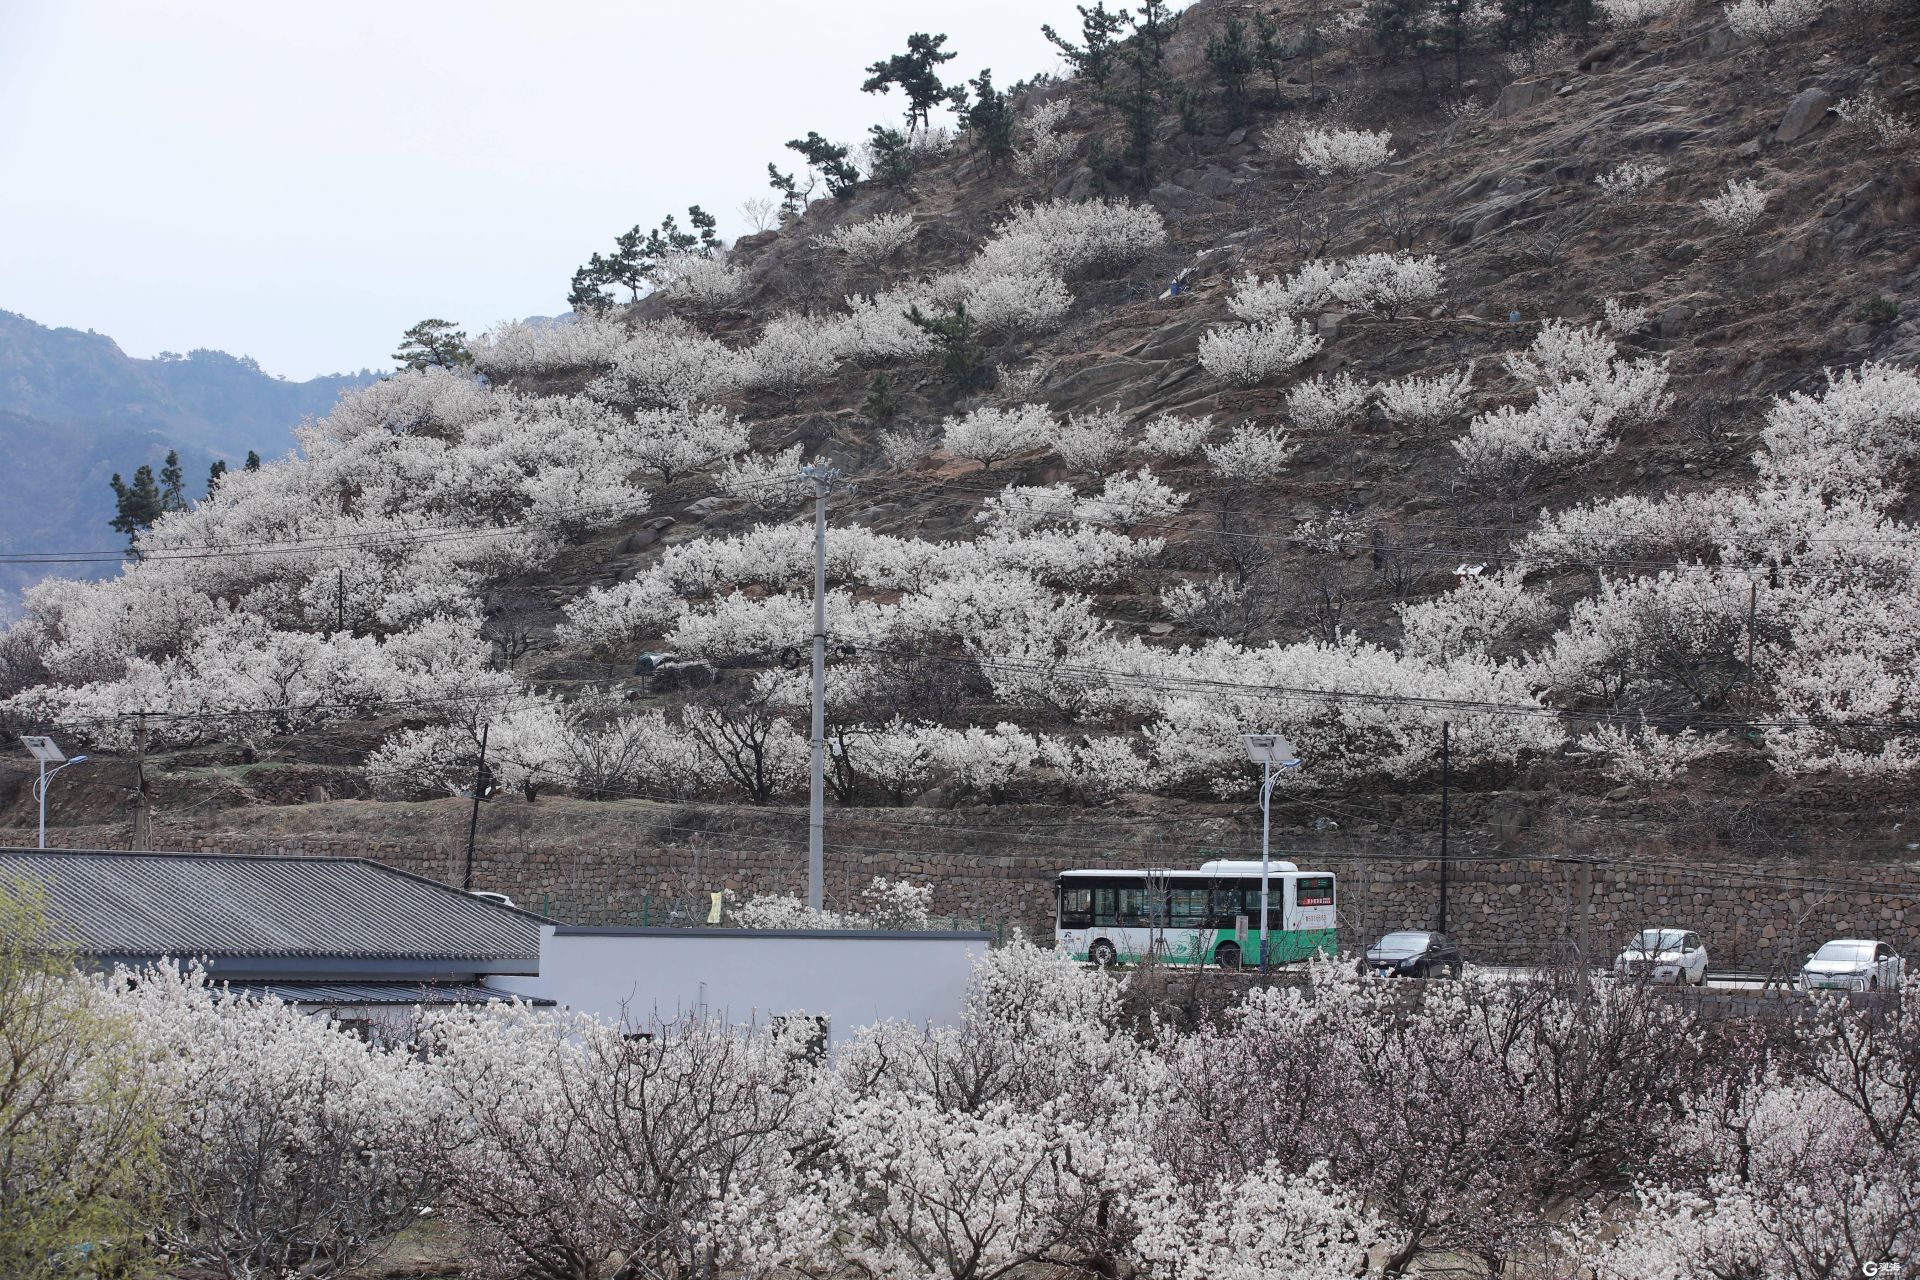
(1108, 630)
(1543, 1122)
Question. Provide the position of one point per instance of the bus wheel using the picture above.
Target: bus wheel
(1228, 956)
(1102, 954)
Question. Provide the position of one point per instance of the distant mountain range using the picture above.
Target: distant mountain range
(75, 408)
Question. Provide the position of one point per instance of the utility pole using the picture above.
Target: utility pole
(340, 599)
(143, 811)
(1446, 789)
(824, 478)
(480, 787)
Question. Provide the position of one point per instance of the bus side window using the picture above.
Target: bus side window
(1228, 905)
(1189, 909)
(1133, 906)
(1076, 907)
(1103, 912)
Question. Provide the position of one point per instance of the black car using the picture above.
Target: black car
(1414, 954)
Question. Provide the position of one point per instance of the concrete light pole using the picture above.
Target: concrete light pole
(1268, 750)
(824, 478)
(44, 751)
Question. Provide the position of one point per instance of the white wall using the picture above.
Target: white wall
(854, 977)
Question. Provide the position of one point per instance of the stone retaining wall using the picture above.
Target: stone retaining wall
(994, 868)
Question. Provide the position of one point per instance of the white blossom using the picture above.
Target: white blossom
(1171, 436)
(991, 435)
(1771, 19)
(870, 243)
(1090, 441)
(1631, 179)
(1388, 283)
(1344, 152)
(1425, 403)
(1740, 204)
(1247, 355)
(1328, 404)
(1251, 454)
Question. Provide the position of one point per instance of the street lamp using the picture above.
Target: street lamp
(1270, 751)
(43, 750)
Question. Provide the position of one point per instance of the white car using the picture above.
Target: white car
(1852, 964)
(1664, 955)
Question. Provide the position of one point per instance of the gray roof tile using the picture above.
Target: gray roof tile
(190, 904)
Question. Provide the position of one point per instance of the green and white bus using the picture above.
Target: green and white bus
(1209, 916)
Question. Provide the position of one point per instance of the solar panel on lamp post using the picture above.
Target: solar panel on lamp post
(1269, 751)
(46, 753)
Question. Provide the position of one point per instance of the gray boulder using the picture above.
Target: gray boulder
(1807, 112)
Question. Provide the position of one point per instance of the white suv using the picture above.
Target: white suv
(1664, 955)
(1852, 964)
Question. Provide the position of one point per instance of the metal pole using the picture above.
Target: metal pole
(41, 789)
(1266, 855)
(143, 815)
(473, 823)
(1446, 788)
(822, 478)
(340, 599)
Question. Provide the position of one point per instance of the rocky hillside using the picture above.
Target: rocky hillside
(1560, 466)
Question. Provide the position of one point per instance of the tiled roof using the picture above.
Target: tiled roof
(378, 993)
(193, 904)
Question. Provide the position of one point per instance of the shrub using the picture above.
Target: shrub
(1009, 305)
(1251, 453)
(1865, 114)
(1050, 148)
(1638, 13)
(1247, 355)
(1170, 436)
(872, 242)
(1091, 441)
(1387, 282)
(1630, 179)
(1344, 152)
(1879, 309)
(1771, 19)
(1328, 404)
(991, 435)
(1259, 301)
(518, 349)
(1426, 403)
(1061, 238)
(1738, 207)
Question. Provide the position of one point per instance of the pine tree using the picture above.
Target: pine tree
(136, 505)
(1141, 92)
(215, 475)
(792, 198)
(253, 461)
(433, 344)
(1270, 52)
(988, 122)
(892, 157)
(635, 260)
(881, 404)
(1231, 58)
(1098, 28)
(963, 356)
(916, 74)
(1401, 30)
(830, 160)
(173, 483)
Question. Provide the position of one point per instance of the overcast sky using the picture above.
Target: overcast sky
(300, 182)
